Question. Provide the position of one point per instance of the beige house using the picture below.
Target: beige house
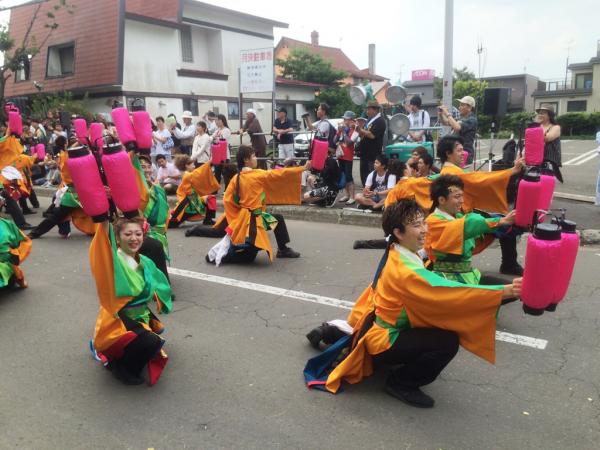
(580, 93)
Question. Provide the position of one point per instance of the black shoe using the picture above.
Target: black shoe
(209, 223)
(26, 226)
(370, 244)
(125, 376)
(514, 269)
(287, 252)
(209, 261)
(411, 396)
(315, 337)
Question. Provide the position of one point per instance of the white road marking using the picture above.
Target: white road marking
(575, 161)
(589, 158)
(328, 301)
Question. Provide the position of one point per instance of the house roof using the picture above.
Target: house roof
(275, 23)
(289, 82)
(339, 60)
(378, 85)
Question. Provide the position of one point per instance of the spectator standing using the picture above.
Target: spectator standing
(552, 151)
(172, 123)
(371, 139)
(167, 175)
(465, 126)
(282, 127)
(211, 122)
(324, 130)
(598, 180)
(185, 134)
(201, 148)
(257, 139)
(346, 138)
(163, 143)
(419, 118)
(222, 132)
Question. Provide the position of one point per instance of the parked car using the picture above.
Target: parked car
(302, 141)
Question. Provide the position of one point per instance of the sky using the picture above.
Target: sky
(517, 36)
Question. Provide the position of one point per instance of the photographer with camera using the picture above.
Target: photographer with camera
(466, 126)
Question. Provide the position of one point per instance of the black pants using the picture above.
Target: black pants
(202, 230)
(366, 167)
(418, 356)
(139, 351)
(12, 208)
(153, 249)
(32, 199)
(249, 255)
(508, 247)
(56, 216)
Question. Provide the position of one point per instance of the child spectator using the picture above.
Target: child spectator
(378, 184)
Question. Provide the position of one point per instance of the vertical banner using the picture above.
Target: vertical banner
(256, 70)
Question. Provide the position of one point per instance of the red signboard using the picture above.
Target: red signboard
(423, 74)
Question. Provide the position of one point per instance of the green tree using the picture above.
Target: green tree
(17, 56)
(306, 66)
(463, 74)
(338, 98)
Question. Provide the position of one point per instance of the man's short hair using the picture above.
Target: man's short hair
(383, 160)
(446, 146)
(441, 186)
(416, 101)
(325, 107)
(400, 214)
(160, 156)
(160, 118)
(427, 159)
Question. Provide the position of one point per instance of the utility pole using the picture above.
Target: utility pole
(567, 64)
(448, 72)
(479, 52)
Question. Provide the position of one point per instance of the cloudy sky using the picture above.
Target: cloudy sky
(516, 35)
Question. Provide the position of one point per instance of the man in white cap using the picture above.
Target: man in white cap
(186, 134)
(257, 139)
(466, 126)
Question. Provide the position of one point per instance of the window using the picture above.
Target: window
(187, 50)
(24, 70)
(190, 104)
(233, 110)
(583, 81)
(61, 60)
(577, 106)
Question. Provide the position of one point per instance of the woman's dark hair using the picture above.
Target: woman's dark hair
(160, 118)
(202, 124)
(441, 188)
(60, 142)
(244, 152)
(325, 107)
(181, 161)
(146, 158)
(420, 150)
(398, 215)
(552, 117)
(427, 159)
(446, 146)
(416, 100)
(223, 119)
(397, 167)
(383, 160)
(121, 222)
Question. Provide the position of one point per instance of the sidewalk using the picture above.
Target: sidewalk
(587, 216)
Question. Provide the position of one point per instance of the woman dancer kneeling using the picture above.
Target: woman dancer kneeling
(127, 332)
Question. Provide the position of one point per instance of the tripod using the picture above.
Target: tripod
(490, 160)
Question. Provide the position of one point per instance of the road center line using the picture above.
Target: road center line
(577, 158)
(328, 301)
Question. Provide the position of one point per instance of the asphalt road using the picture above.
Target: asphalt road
(234, 379)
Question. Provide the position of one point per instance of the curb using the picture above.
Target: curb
(575, 197)
(344, 217)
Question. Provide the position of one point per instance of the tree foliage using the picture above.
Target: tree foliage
(306, 66)
(459, 75)
(338, 98)
(41, 104)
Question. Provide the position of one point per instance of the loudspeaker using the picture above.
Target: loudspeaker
(65, 119)
(495, 101)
